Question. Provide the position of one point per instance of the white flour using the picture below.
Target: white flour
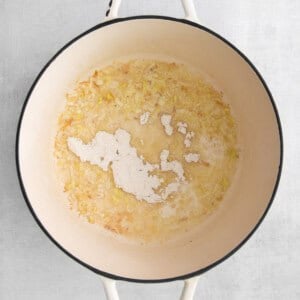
(170, 188)
(101, 151)
(130, 172)
(191, 157)
(188, 139)
(182, 127)
(166, 122)
(144, 118)
(174, 166)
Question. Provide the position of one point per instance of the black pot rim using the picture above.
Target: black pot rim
(184, 276)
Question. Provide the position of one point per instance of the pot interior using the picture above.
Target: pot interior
(247, 198)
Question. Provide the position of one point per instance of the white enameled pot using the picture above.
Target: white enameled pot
(247, 200)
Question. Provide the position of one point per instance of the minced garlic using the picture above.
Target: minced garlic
(113, 107)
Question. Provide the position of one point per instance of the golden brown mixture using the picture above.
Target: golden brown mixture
(116, 97)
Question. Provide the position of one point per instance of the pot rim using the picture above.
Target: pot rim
(117, 277)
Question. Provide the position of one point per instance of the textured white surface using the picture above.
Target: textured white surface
(267, 267)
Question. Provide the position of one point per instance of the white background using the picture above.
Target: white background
(268, 266)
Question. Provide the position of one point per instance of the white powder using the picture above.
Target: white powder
(130, 172)
(144, 118)
(174, 166)
(188, 139)
(182, 127)
(101, 151)
(170, 188)
(166, 122)
(191, 157)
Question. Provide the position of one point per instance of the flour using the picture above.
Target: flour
(182, 127)
(188, 139)
(130, 172)
(166, 122)
(170, 188)
(101, 151)
(191, 157)
(174, 166)
(144, 118)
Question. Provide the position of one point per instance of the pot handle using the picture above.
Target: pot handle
(110, 288)
(188, 6)
(188, 290)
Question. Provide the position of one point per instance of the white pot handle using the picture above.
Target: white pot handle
(188, 290)
(188, 6)
(110, 288)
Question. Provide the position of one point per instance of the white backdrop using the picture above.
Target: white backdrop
(268, 266)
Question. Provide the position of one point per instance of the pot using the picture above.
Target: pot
(245, 204)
